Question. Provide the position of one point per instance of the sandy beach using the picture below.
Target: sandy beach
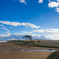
(24, 55)
(15, 54)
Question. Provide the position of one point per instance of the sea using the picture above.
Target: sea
(2, 41)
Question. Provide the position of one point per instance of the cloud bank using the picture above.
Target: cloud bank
(18, 36)
(48, 31)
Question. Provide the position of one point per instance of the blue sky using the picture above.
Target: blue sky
(39, 18)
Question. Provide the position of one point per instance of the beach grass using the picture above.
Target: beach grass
(35, 43)
(54, 55)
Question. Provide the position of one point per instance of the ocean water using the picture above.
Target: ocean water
(2, 41)
(39, 50)
(33, 50)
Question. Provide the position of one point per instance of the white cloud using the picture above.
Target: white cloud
(19, 36)
(48, 31)
(54, 4)
(53, 37)
(19, 24)
(22, 1)
(2, 35)
(26, 32)
(58, 0)
(1, 25)
(10, 27)
(57, 9)
(40, 1)
(52, 34)
(5, 29)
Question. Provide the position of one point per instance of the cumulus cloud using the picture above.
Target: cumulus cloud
(58, 0)
(40, 1)
(19, 24)
(54, 4)
(22, 1)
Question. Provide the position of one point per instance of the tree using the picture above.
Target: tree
(30, 37)
(27, 37)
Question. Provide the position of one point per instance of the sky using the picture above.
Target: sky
(39, 18)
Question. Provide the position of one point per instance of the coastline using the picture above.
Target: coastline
(5, 46)
(15, 54)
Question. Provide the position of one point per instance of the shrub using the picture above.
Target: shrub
(20, 40)
(26, 42)
(32, 41)
(45, 46)
(4, 46)
(38, 41)
(54, 55)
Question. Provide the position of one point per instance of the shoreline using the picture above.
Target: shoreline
(14, 54)
(5, 46)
